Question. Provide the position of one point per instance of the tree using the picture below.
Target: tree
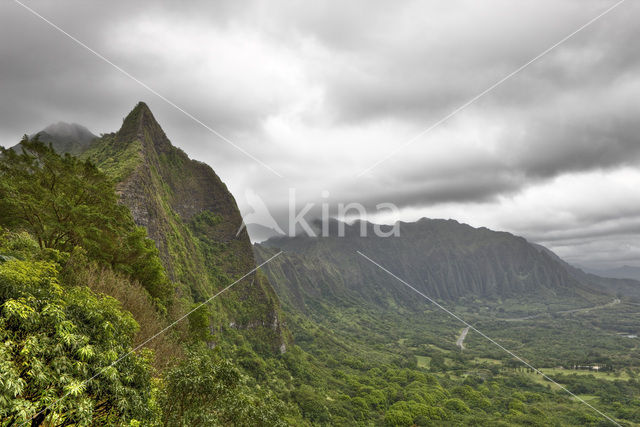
(59, 345)
(206, 390)
(65, 202)
(311, 404)
(397, 418)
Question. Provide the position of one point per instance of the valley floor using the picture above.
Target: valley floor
(586, 350)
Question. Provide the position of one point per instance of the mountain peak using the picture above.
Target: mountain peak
(72, 131)
(140, 124)
(141, 110)
(65, 137)
(140, 116)
(193, 218)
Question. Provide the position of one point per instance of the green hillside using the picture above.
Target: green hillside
(444, 259)
(91, 322)
(189, 213)
(359, 322)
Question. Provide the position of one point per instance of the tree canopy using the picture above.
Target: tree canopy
(58, 348)
(65, 202)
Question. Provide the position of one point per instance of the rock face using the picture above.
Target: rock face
(442, 258)
(193, 218)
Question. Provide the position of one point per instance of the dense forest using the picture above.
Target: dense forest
(101, 326)
(81, 286)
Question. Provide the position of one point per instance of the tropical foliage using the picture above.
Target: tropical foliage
(82, 288)
(58, 349)
(64, 202)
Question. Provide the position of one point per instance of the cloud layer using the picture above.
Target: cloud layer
(321, 91)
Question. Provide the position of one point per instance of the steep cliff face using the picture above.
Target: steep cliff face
(444, 259)
(193, 219)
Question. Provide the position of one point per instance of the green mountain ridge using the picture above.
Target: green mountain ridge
(357, 321)
(93, 330)
(190, 214)
(442, 258)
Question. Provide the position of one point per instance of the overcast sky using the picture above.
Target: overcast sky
(320, 91)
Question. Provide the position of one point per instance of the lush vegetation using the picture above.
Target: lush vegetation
(58, 347)
(64, 202)
(193, 219)
(70, 353)
(83, 290)
(368, 368)
(68, 358)
(376, 361)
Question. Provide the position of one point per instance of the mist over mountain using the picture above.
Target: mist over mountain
(260, 233)
(65, 137)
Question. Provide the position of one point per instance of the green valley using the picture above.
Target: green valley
(566, 323)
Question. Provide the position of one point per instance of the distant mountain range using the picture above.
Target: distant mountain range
(624, 272)
(443, 258)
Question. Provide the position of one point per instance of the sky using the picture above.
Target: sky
(320, 92)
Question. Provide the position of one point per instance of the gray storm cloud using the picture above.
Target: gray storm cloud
(320, 91)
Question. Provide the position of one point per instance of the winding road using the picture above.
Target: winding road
(577, 310)
(465, 331)
(463, 335)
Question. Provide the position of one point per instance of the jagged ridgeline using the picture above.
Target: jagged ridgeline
(193, 218)
(443, 258)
